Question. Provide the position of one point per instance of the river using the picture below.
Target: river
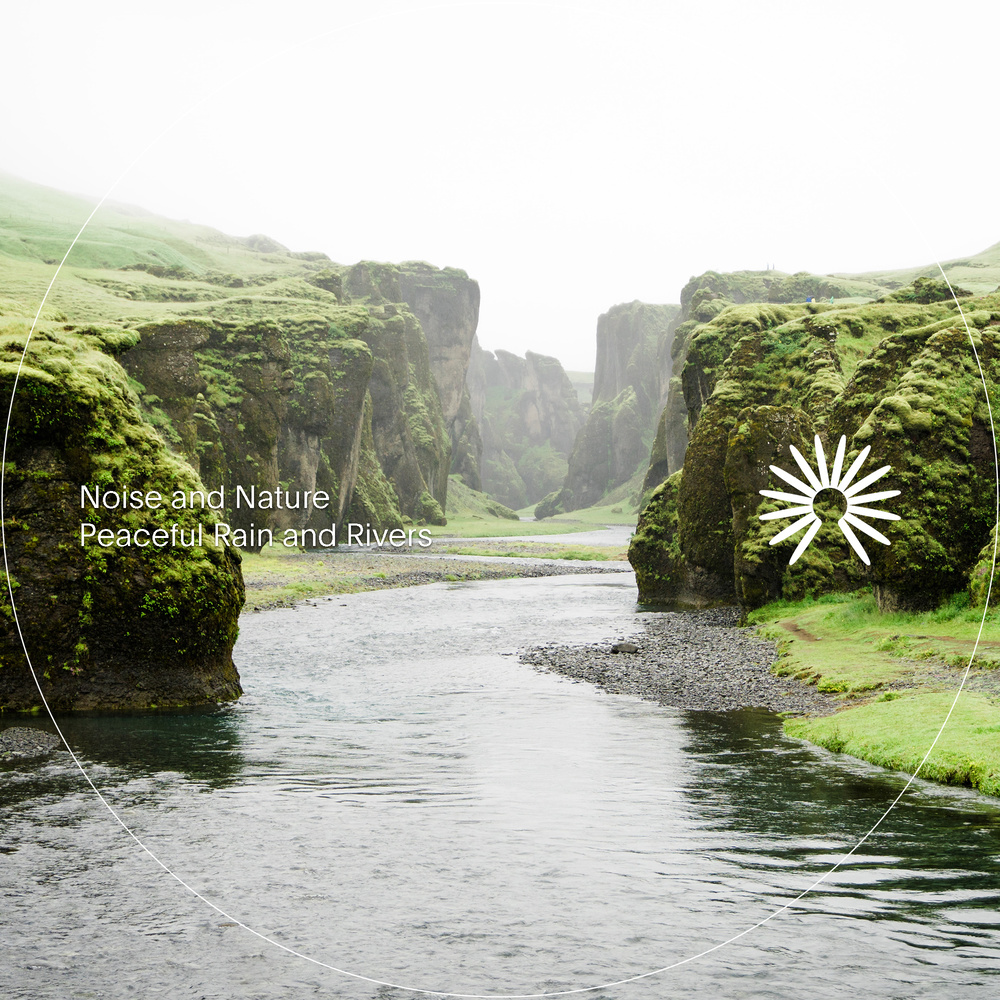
(398, 796)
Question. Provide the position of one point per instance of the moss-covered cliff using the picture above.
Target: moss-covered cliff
(248, 366)
(706, 296)
(528, 416)
(898, 375)
(445, 302)
(631, 370)
(703, 299)
(258, 363)
(282, 402)
(105, 625)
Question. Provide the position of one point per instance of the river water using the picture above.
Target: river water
(399, 797)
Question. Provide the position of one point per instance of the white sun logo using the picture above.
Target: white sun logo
(833, 481)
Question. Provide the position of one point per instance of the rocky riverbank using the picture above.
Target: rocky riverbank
(696, 660)
(279, 580)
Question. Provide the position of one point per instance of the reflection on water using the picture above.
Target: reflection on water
(198, 744)
(201, 744)
(930, 872)
(399, 796)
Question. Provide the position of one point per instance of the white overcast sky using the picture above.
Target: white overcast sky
(567, 155)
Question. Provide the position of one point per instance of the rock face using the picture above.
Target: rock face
(704, 298)
(345, 402)
(105, 626)
(632, 371)
(445, 302)
(898, 376)
(528, 415)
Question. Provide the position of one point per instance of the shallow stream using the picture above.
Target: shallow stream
(398, 796)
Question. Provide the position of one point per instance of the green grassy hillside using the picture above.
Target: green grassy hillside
(129, 263)
(209, 307)
(980, 273)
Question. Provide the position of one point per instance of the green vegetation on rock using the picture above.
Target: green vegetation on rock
(758, 371)
(467, 503)
(246, 365)
(633, 369)
(109, 626)
(254, 362)
(527, 416)
(708, 295)
(897, 375)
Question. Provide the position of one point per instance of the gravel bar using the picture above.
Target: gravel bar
(697, 660)
(18, 741)
(278, 582)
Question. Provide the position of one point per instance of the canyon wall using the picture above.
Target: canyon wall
(632, 369)
(105, 625)
(528, 415)
(898, 376)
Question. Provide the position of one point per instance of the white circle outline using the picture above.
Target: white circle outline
(292, 951)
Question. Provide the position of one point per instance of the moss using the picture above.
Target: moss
(244, 402)
(464, 502)
(408, 431)
(984, 581)
(429, 510)
(98, 620)
(896, 375)
(620, 425)
(252, 330)
(552, 504)
(927, 290)
(655, 551)
(933, 431)
(373, 500)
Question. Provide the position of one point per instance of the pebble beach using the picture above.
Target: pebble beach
(699, 660)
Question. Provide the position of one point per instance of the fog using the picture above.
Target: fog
(568, 156)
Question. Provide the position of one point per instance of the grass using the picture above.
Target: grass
(845, 644)
(214, 274)
(478, 526)
(897, 732)
(980, 272)
(470, 504)
(536, 550)
(591, 517)
(897, 675)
